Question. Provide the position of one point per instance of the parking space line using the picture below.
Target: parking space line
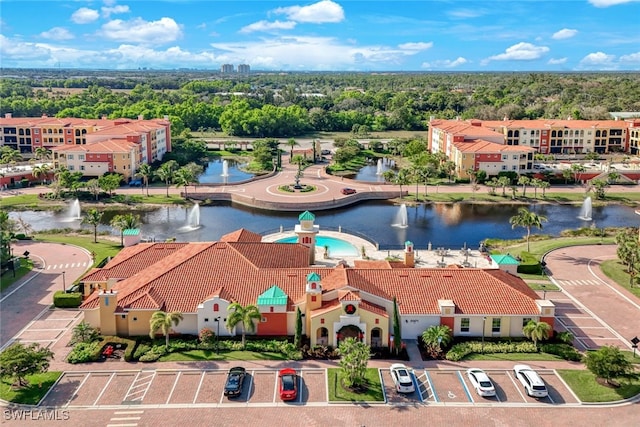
(275, 387)
(106, 386)
(195, 397)
(140, 385)
(414, 378)
(299, 399)
(75, 392)
(464, 386)
(517, 385)
(433, 390)
(175, 383)
(250, 385)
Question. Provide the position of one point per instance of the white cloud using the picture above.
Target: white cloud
(107, 11)
(597, 58)
(445, 63)
(317, 13)
(268, 26)
(57, 33)
(557, 61)
(466, 13)
(84, 15)
(520, 52)
(419, 46)
(137, 30)
(633, 58)
(311, 53)
(565, 33)
(607, 3)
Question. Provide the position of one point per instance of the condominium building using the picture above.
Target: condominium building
(226, 68)
(97, 158)
(244, 69)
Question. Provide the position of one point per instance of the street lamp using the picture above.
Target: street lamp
(217, 320)
(64, 286)
(544, 291)
(634, 345)
(484, 321)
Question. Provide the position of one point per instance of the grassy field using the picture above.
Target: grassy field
(39, 385)
(196, 355)
(584, 385)
(338, 393)
(616, 271)
(8, 279)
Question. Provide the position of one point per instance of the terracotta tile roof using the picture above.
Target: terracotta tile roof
(481, 146)
(242, 235)
(360, 263)
(180, 276)
(374, 308)
(106, 146)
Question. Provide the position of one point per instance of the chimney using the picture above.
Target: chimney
(140, 117)
(7, 115)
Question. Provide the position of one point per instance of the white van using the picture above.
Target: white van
(531, 381)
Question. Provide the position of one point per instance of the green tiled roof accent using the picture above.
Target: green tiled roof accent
(306, 216)
(273, 296)
(131, 232)
(313, 277)
(408, 242)
(502, 259)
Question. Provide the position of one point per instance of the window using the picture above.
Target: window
(515, 157)
(264, 320)
(322, 321)
(135, 319)
(313, 285)
(216, 307)
(122, 316)
(206, 319)
(271, 309)
(505, 157)
(313, 298)
(495, 325)
(70, 156)
(464, 324)
(525, 321)
(81, 167)
(71, 167)
(80, 156)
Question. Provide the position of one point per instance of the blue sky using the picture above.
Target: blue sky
(325, 35)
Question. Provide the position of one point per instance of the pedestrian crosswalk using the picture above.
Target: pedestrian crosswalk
(582, 282)
(67, 265)
(125, 419)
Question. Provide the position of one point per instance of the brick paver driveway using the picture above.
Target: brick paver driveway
(594, 308)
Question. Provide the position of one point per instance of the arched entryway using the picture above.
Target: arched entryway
(376, 337)
(349, 331)
(322, 336)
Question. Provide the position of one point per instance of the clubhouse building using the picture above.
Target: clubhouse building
(201, 279)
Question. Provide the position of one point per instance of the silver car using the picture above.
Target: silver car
(402, 378)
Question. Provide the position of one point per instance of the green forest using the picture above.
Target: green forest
(293, 104)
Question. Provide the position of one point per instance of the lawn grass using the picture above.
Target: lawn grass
(541, 247)
(584, 385)
(27, 202)
(549, 287)
(39, 385)
(513, 357)
(337, 393)
(9, 279)
(198, 355)
(616, 271)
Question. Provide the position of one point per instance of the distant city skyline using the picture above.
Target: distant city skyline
(325, 35)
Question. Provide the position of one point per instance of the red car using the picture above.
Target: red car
(348, 191)
(288, 383)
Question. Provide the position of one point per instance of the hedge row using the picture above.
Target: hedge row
(459, 351)
(63, 299)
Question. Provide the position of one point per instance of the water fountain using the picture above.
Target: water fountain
(379, 168)
(193, 219)
(585, 211)
(225, 168)
(401, 220)
(73, 213)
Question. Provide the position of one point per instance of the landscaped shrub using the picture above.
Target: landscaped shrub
(206, 336)
(460, 350)
(156, 352)
(565, 351)
(62, 299)
(85, 352)
(128, 343)
(529, 264)
(141, 349)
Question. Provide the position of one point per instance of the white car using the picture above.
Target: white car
(531, 381)
(402, 378)
(480, 382)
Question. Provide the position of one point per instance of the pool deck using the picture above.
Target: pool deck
(425, 258)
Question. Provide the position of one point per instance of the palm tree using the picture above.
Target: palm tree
(527, 219)
(246, 315)
(40, 171)
(536, 331)
(93, 186)
(163, 321)
(165, 172)
(291, 143)
(146, 173)
(435, 337)
(93, 218)
(125, 222)
(41, 153)
(183, 177)
(524, 181)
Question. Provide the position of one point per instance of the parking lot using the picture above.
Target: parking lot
(206, 388)
(173, 387)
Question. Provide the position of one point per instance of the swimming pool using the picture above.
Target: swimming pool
(337, 247)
